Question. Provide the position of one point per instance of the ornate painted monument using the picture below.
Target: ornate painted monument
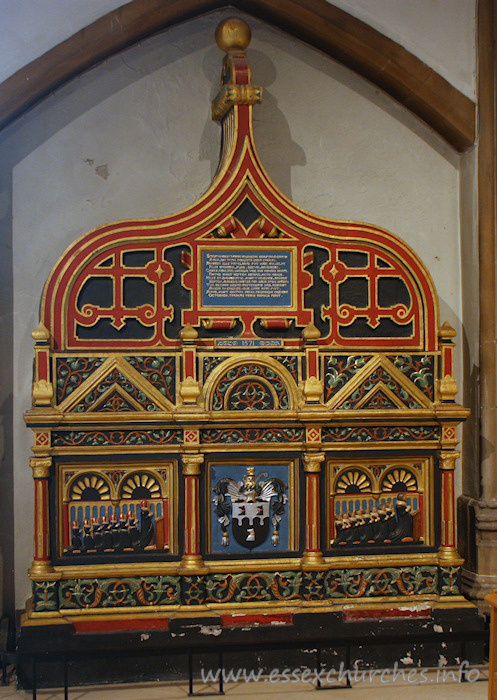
(241, 407)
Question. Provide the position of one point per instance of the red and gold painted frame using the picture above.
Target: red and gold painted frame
(212, 222)
(112, 480)
(378, 475)
(349, 359)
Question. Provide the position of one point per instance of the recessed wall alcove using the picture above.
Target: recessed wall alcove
(133, 137)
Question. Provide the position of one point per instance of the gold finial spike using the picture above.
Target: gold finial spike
(446, 332)
(188, 332)
(40, 333)
(232, 34)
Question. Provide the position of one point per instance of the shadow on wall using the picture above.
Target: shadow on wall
(272, 132)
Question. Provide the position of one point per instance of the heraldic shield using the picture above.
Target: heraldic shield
(254, 506)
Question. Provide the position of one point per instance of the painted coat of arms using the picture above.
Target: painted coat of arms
(251, 506)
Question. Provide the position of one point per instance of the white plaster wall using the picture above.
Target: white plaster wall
(30, 28)
(440, 32)
(133, 138)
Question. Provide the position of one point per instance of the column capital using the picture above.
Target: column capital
(312, 461)
(40, 466)
(448, 459)
(192, 464)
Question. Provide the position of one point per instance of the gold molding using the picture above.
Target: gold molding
(42, 570)
(240, 565)
(189, 391)
(188, 333)
(42, 392)
(449, 556)
(447, 388)
(192, 564)
(446, 332)
(313, 389)
(433, 601)
(41, 334)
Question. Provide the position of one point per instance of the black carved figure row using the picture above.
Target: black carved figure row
(113, 534)
(381, 524)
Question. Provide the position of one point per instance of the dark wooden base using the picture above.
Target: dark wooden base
(173, 649)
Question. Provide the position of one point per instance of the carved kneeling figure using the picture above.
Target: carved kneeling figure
(379, 525)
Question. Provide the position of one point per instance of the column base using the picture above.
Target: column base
(449, 556)
(42, 570)
(477, 587)
(478, 543)
(192, 564)
(312, 561)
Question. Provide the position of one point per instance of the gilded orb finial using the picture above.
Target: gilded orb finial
(310, 332)
(232, 34)
(446, 332)
(40, 333)
(188, 332)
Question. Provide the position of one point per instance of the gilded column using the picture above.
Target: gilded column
(189, 388)
(313, 385)
(192, 559)
(42, 385)
(447, 552)
(313, 556)
(41, 563)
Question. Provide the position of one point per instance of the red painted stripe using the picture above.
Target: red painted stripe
(189, 363)
(165, 521)
(257, 619)
(89, 626)
(379, 614)
(42, 363)
(312, 369)
(448, 369)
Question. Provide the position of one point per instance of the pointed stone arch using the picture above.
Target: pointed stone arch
(317, 22)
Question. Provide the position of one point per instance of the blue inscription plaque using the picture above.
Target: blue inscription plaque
(246, 278)
(248, 343)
